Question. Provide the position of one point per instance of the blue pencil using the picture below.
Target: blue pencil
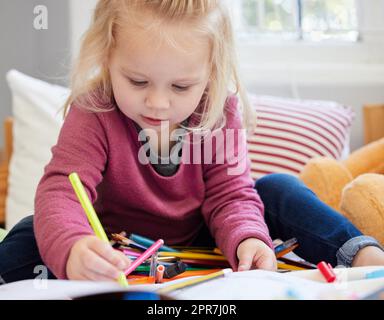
(287, 244)
(148, 242)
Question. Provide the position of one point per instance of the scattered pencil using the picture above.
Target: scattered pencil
(194, 281)
(170, 263)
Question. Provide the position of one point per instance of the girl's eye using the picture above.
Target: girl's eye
(144, 83)
(138, 83)
(180, 88)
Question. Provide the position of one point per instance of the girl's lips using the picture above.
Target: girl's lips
(151, 121)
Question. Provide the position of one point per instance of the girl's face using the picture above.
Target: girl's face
(154, 81)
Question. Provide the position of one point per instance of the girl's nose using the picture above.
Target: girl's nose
(157, 100)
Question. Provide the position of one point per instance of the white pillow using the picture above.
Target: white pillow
(37, 119)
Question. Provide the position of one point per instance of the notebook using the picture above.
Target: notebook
(353, 283)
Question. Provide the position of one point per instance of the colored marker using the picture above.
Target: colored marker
(91, 215)
(375, 274)
(174, 269)
(141, 280)
(327, 271)
(150, 251)
(159, 273)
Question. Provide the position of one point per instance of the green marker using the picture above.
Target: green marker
(92, 216)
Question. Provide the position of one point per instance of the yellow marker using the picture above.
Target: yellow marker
(92, 216)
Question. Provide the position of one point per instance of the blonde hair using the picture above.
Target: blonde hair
(90, 75)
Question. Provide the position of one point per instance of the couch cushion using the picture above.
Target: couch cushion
(290, 132)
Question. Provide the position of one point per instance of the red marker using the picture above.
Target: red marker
(327, 271)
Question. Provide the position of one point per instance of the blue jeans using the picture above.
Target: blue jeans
(291, 210)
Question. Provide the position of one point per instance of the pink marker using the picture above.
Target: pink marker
(146, 254)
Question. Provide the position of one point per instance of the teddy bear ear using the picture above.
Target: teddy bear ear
(326, 177)
(363, 204)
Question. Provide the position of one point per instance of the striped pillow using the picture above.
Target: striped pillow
(290, 132)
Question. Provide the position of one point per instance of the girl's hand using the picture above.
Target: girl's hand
(93, 259)
(255, 254)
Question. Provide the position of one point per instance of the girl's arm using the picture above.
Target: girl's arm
(59, 219)
(232, 208)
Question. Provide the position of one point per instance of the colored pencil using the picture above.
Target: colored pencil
(91, 215)
(148, 242)
(302, 264)
(195, 256)
(285, 245)
(127, 242)
(194, 281)
(192, 273)
(285, 251)
(146, 268)
(131, 253)
(206, 263)
(288, 267)
(150, 251)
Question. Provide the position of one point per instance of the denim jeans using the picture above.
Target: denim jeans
(291, 210)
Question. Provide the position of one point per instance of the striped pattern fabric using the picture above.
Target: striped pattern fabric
(290, 132)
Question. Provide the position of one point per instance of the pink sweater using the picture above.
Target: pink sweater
(127, 195)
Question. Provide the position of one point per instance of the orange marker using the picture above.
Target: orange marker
(141, 280)
(159, 273)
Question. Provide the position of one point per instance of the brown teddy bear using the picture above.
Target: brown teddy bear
(354, 187)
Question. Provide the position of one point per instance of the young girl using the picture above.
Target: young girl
(146, 70)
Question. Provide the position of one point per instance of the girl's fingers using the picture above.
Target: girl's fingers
(245, 261)
(96, 276)
(95, 263)
(114, 257)
(124, 258)
(265, 262)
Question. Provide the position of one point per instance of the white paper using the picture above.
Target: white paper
(247, 285)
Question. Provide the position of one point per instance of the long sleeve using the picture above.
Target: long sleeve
(232, 208)
(59, 219)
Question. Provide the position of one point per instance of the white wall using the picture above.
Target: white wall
(351, 74)
(43, 54)
(80, 13)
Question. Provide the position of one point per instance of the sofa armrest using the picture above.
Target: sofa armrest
(373, 122)
(5, 157)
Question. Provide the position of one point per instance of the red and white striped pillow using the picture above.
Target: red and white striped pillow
(290, 132)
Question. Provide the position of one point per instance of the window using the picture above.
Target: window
(312, 20)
